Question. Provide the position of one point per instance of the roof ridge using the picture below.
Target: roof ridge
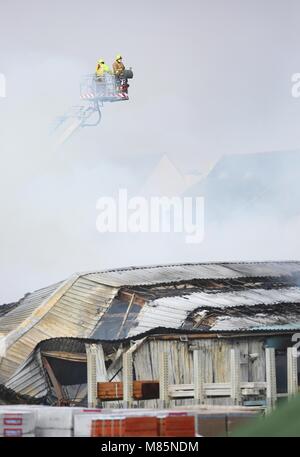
(184, 264)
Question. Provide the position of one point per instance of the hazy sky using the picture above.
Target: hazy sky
(212, 77)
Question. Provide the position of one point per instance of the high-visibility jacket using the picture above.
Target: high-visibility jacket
(118, 68)
(101, 69)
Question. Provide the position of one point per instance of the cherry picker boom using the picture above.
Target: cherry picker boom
(94, 92)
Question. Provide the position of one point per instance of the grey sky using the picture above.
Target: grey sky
(212, 77)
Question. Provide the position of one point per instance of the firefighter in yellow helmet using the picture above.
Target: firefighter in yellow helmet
(118, 71)
(118, 66)
(101, 68)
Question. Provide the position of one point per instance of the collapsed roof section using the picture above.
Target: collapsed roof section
(126, 303)
(57, 368)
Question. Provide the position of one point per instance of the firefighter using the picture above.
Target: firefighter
(101, 68)
(118, 66)
(118, 71)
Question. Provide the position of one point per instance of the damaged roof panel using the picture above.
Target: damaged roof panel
(266, 268)
(172, 311)
(30, 378)
(99, 304)
(184, 272)
(242, 322)
(24, 309)
(68, 311)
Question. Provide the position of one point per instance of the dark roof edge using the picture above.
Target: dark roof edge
(14, 398)
(163, 331)
(146, 267)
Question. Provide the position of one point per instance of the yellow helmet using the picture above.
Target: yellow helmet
(118, 57)
(101, 61)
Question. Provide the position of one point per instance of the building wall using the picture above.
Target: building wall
(217, 361)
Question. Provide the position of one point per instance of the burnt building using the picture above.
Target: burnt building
(47, 338)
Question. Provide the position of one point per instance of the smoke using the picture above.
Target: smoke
(198, 93)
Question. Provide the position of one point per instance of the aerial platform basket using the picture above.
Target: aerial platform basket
(102, 89)
(95, 91)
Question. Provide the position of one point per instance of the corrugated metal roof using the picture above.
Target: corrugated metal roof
(30, 379)
(293, 326)
(72, 309)
(27, 305)
(4, 309)
(75, 308)
(173, 311)
(183, 272)
(257, 322)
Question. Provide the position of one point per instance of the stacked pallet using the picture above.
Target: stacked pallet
(183, 426)
(45, 421)
(142, 390)
(145, 390)
(109, 391)
(125, 427)
(140, 426)
(144, 426)
(54, 422)
(25, 420)
(83, 423)
(17, 423)
(109, 426)
(218, 423)
(59, 421)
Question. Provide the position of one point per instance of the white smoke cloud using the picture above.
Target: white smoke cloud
(203, 88)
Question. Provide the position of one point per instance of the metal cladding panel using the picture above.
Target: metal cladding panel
(292, 326)
(161, 275)
(75, 313)
(76, 308)
(171, 312)
(27, 305)
(267, 268)
(184, 272)
(82, 306)
(78, 311)
(242, 320)
(7, 368)
(29, 379)
(4, 309)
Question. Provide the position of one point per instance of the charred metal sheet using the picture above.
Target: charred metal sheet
(173, 311)
(276, 316)
(22, 379)
(4, 309)
(96, 306)
(9, 396)
(175, 273)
